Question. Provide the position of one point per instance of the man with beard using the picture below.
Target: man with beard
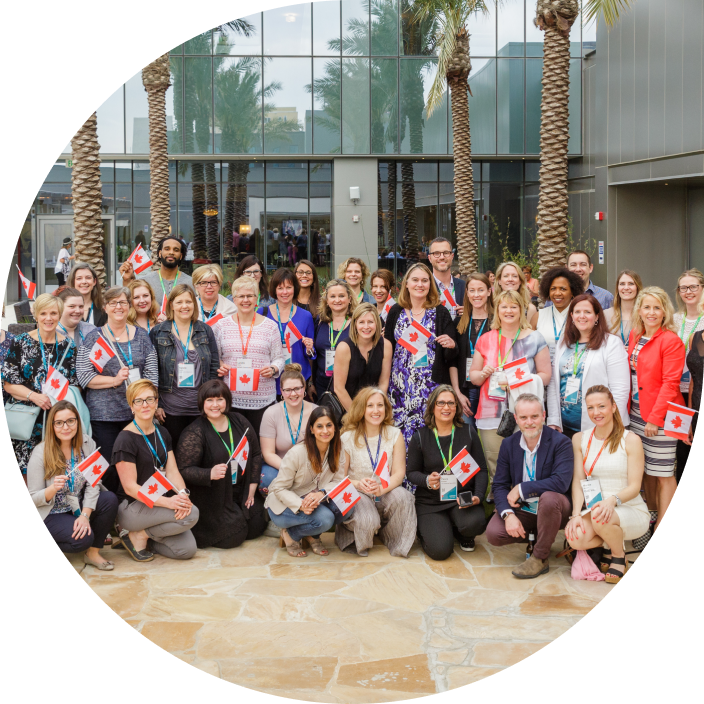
(170, 253)
(441, 256)
(533, 476)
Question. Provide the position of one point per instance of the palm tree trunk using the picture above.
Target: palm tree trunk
(156, 78)
(391, 188)
(200, 240)
(212, 222)
(555, 19)
(408, 196)
(87, 198)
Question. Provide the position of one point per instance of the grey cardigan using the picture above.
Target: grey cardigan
(37, 485)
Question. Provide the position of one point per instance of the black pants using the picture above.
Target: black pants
(436, 534)
(246, 529)
(176, 425)
(105, 433)
(60, 525)
(61, 278)
(254, 417)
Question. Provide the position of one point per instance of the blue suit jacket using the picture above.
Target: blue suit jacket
(459, 290)
(554, 468)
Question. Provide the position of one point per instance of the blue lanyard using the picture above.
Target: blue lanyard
(531, 474)
(623, 339)
(65, 332)
(188, 341)
(374, 462)
(281, 330)
(129, 346)
(212, 311)
(71, 473)
(554, 327)
(300, 420)
(41, 346)
(90, 312)
(151, 447)
(479, 334)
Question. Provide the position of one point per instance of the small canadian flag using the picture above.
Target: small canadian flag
(414, 337)
(139, 259)
(518, 373)
(678, 421)
(215, 319)
(387, 307)
(56, 384)
(93, 467)
(29, 288)
(241, 453)
(157, 485)
(244, 379)
(448, 300)
(292, 333)
(463, 466)
(100, 354)
(164, 301)
(382, 471)
(344, 495)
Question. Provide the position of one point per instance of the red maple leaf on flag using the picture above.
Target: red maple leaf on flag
(464, 468)
(152, 489)
(96, 469)
(138, 258)
(98, 354)
(519, 374)
(676, 422)
(245, 379)
(347, 497)
(413, 336)
(244, 455)
(55, 383)
(288, 339)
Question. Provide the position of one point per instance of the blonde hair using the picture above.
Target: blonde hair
(616, 307)
(354, 418)
(522, 288)
(618, 430)
(203, 271)
(695, 274)
(153, 311)
(244, 282)
(179, 290)
(668, 321)
(509, 297)
(432, 299)
(292, 371)
(136, 387)
(46, 301)
(342, 269)
(324, 312)
(359, 311)
(54, 460)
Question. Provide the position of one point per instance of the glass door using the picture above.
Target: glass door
(52, 232)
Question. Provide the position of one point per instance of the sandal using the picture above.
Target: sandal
(294, 548)
(614, 576)
(316, 545)
(606, 558)
(568, 552)
(137, 555)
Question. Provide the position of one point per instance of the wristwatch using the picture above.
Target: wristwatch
(185, 492)
(618, 501)
(85, 515)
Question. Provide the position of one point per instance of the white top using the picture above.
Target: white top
(63, 254)
(551, 320)
(360, 464)
(222, 306)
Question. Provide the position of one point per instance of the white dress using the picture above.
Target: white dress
(612, 472)
(550, 321)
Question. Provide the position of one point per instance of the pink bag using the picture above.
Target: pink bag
(583, 567)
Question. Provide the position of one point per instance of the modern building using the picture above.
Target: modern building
(273, 119)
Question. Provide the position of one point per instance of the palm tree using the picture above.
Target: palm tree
(555, 18)
(87, 197)
(454, 66)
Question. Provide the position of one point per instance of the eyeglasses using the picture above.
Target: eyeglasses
(118, 304)
(304, 274)
(70, 423)
(150, 401)
(245, 298)
(208, 284)
(692, 289)
(295, 390)
(442, 404)
(444, 253)
(252, 272)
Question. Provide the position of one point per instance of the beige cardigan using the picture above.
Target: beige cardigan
(222, 306)
(37, 485)
(296, 478)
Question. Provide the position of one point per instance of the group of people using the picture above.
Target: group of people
(456, 408)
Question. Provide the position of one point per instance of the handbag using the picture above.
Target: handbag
(21, 419)
(330, 399)
(507, 425)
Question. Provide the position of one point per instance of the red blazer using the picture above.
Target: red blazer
(660, 366)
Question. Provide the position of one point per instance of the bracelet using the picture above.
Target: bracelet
(28, 395)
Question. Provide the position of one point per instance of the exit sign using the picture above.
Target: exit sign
(69, 163)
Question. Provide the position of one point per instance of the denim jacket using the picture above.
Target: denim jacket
(204, 342)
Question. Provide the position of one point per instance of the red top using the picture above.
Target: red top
(660, 364)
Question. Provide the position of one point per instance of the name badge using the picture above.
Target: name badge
(234, 468)
(244, 363)
(448, 487)
(469, 366)
(572, 386)
(531, 506)
(133, 375)
(329, 362)
(287, 356)
(634, 387)
(686, 376)
(185, 375)
(591, 488)
(420, 358)
(495, 391)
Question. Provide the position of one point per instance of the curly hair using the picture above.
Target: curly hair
(574, 280)
(342, 269)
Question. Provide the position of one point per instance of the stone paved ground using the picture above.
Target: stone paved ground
(343, 628)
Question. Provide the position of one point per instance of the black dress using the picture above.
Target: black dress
(695, 364)
(363, 372)
(466, 342)
(224, 520)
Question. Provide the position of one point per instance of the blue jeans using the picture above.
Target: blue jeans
(268, 475)
(299, 525)
(473, 397)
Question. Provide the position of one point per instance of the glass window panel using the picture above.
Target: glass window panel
(287, 113)
(123, 171)
(200, 44)
(177, 50)
(123, 196)
(321, 170)
(502, 203)
(244, 205)
(320, 190)
(355, 27)
(107, 171)
(534, 76)
(422, 171)
(231, 38)
(447, 170)
(108, 204)
(510, 106)
(287, 216)
(588, 34)
(383, 171)
(421, 134)
(530, 215)
(238, 105)
(198, 105)
(575, 107)
(426, 213)
(111, 123)
(136, 116)
(123, 236)
(510, 25)
(503, 171)
(355, 106)
(417, 38)
(320, 226)
(55, 198)
(287, 30)
(384, 81)
(534, 36)
(482, 29)
(287, 171)
(140, 171)
(326, 106)
(447, 216)
(326, 28)
(532, 170)
(59, 173)
(174, 107)
(196, 225)
(384, 28)
(254, 171)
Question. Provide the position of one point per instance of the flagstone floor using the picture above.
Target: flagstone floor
(343, 628)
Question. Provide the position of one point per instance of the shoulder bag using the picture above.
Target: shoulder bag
(330, 399)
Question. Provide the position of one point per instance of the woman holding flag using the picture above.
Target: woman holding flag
(374, 458)
(84, 278)
(112, 357)
(39, 365)
(155, 509)
(66, 490)
(219, 458)
(144, 311)
(207, 280)
(446, 463)
(510, 277)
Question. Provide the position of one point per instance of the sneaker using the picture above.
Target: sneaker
(467, 544)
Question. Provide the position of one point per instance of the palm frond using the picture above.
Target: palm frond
(609, 10)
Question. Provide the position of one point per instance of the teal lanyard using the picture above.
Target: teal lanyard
(188, 341)
(530, 470)
(479, 334)
(290, 317)
(90, 312)
(290, 429)
(71, 474)
(151, 447)
(212, 311)
(41, 346)
(622, 335)
(445, 461)
(231, 447)
(65, 332)
(119, 349)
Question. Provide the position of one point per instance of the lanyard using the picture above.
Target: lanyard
(530, 470)
(374, 462)
(245, 346)
(71, 473)
(66, 332)
(333, 343)
(231, 447)
(689, 338)
(469, 333)
(163, 288)
(151, 447)
(554, 327)
(212, 310)
(577, 358)
(90, 313)
(294, 440)
(281, 329)
(584, 460)
(360, 294)
(188, 341)
(623, 338)
(445, 462)
(41, 346)
(129, 346)
(500, 361)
